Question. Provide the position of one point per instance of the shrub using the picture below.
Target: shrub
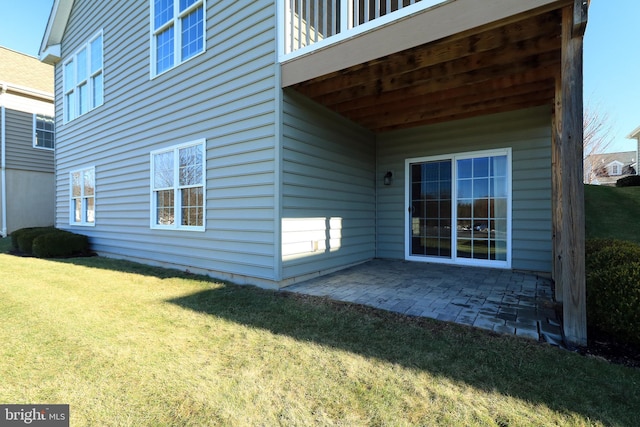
(16, 234)
(604, 253)
(613, 301)
(60, 243)
(613, 288)
(25, 237)
(629, 181)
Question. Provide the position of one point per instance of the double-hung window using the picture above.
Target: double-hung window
(177, 187)
(83, 197)
(84, 79)
(177, 32)
(44, 134)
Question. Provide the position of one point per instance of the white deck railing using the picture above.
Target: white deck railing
(311, 24)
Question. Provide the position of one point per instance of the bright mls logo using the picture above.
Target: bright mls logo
(35, 415)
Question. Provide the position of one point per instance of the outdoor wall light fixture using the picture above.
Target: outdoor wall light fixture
(387, 178)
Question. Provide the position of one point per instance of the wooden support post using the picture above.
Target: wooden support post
(572, 225)
(556, 190)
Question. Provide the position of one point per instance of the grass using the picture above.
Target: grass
(131, 345)
(613, 212)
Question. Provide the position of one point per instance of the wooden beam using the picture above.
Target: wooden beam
(410, 112)
(572, 187)
(499, 83)
(447, 76)
(495, 106)
(426, 101)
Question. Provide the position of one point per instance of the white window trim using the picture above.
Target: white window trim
(35, 130)
(615, 168)
(177, 25)
(176, 188)
(72, 219)
(454, 214)
(89, 80)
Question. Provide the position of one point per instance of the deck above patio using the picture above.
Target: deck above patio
(434, 62)
(316, 40)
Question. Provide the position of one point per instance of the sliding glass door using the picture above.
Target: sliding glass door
(431, 208)
(458, 208)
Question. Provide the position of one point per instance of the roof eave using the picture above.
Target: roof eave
(51, 55)
(50, 46)
(635, 134)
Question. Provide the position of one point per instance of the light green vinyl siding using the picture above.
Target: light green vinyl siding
(527, 132)
(328, 216)
(226, 95)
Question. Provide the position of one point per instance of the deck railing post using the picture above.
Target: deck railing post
(288, 26)
(346, 15)
(307, 22)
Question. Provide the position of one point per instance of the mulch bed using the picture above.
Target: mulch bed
(16, 252)
(602, 346)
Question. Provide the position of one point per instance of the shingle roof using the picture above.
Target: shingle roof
(625, 157)
(24, 70)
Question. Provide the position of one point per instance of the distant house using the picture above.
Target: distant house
(271, 141)
(27, 142)
(607, 168)
(635, 134)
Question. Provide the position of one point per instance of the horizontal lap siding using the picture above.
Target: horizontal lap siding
(30, 199)
(527, 132)
(226, 95)
(20, 151)
(328, 190)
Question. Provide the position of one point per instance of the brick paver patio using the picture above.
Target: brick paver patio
(503, 301)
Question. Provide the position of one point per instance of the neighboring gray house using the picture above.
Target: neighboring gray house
(27, 142)
(636, 135)
(271, 141)
(607, 168)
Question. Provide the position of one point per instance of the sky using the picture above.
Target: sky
(611, 56)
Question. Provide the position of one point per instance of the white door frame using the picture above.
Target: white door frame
(454, 259)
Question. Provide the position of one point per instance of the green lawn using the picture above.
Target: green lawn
(613, 212)
(130, 345)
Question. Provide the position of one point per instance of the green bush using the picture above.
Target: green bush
(60, 243)
(596, 245)
(613, 301)
(629, 181)
(604, 253)
(613, 288)
(16, 234)
(25, 237)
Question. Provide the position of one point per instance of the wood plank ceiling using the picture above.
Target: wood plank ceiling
(503, 68)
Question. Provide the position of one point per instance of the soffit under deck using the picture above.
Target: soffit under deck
(502, 68)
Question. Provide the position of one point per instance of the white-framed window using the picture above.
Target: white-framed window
(44, 132)
(177, 32)
(178, 187)
(459, 208)
(616, 169)
(83, 77)
(83, 197)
